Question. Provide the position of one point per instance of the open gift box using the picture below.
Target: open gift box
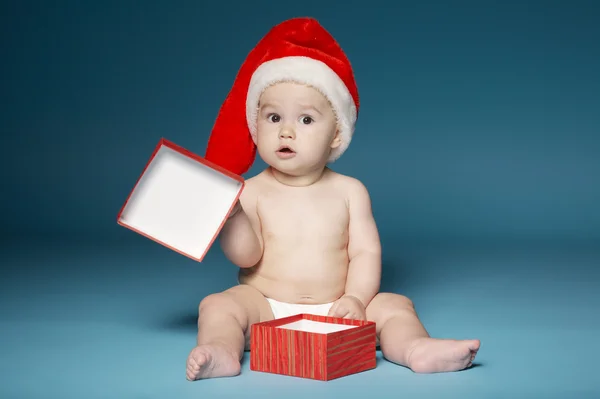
(315, 347)
(181, 200)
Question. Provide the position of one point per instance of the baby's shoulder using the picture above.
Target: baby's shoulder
(348, 184)
(252, 186)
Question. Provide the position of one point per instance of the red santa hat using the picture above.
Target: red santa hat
(298, 50)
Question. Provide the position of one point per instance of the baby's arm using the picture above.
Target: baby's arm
(240, 237)
(364, 247)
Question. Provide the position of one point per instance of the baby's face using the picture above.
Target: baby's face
(296, 128)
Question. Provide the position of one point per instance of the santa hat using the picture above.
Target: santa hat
(298, 50)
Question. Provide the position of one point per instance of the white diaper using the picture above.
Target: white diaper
(283, 309)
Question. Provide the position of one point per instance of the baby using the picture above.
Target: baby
(303, 236)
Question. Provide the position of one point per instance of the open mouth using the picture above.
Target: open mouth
(285, 150)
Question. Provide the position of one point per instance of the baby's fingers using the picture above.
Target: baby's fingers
(342, 311)
(339, 311)
(332, 310)
(352, 315)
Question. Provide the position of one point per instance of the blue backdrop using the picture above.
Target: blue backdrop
(478, 119)
(479, 129)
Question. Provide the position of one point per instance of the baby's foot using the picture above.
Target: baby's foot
(211, 361)
(430, 355)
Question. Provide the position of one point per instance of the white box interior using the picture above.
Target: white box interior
(315, 326)
(180, 202)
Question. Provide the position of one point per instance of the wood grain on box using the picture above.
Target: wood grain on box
(315, 355)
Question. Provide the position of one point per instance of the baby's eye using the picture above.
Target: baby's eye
(307, 120)
(274, 118)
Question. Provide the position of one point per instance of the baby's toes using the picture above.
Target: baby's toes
(471, 359)
(189, 374)
(193, 366)
(191, 369)
(473, 355)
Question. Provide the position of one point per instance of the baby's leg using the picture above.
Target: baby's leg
(224, 320)
(404, 340)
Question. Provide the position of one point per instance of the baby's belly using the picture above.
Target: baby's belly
(300, 277)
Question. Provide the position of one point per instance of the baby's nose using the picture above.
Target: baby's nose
(286, 133)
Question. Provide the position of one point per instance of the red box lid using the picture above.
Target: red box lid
(181, 200)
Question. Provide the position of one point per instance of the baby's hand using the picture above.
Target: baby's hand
(348, 307)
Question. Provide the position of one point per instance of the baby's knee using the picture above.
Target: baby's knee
(391, 302)
(222, 307)
(217, 303)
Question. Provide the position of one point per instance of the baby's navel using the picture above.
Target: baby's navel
(307, 298)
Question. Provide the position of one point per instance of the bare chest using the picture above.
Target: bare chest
(318, 219)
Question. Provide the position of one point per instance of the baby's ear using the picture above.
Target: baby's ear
(337, 140)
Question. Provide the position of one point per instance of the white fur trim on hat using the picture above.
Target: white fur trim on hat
(311, 72)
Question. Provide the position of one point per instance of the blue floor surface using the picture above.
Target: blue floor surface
(117, 320)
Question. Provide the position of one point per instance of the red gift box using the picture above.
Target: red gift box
(314, 347)
(181, 200)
